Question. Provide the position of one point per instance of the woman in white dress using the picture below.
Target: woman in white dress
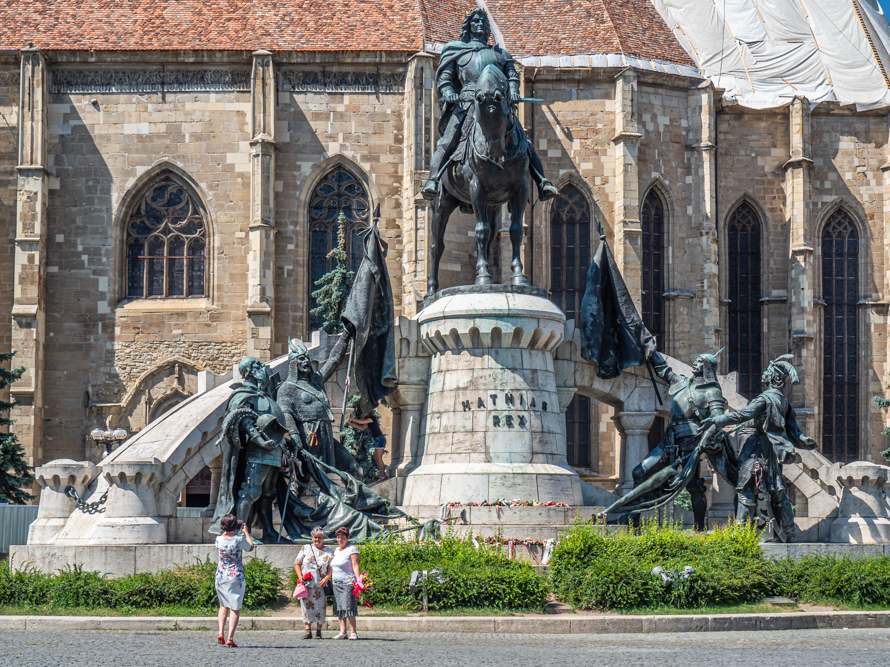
(316, 559)
(230, 583)
(344, 566)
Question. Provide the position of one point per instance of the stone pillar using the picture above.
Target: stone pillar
(29, 282)
(634, 428)
(864, 510)
(420, 140)
(131, 514)
(701, 161)
(801, 275)
(884, 355)
(261, 256)
(406, 442)
(215, 478)
(492, 426)
(628, 232)
(55, 505)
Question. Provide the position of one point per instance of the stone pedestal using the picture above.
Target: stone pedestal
(55, 505)
(131, 515)
(492, 426)
(634, 428)
(864, 512)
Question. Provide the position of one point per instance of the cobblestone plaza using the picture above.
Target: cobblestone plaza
(260, 648)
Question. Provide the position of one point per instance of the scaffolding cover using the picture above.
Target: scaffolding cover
(763, 53)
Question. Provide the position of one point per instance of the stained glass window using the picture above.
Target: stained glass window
(840, 381)
(569, 249)
(578, 432)
(743, 232)
(652, 220)
(339, 190)
(166, 242)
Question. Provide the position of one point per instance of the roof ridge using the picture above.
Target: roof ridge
(614, 27)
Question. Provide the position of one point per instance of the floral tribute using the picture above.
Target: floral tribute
(360, 586)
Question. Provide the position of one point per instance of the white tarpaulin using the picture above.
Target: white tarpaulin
(763, 53)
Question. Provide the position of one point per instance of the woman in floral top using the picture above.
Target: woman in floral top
(230, 573)
(314, 559)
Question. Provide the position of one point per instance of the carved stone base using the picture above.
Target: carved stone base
(492, 426)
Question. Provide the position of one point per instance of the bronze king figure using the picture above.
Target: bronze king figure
(460, 66)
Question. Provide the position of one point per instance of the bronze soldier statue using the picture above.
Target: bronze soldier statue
(460, 66)
(307, 409)
(769, 444)
(253, 449)
(695, 399)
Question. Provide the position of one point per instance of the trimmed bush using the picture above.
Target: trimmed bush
(471, 577)
(837, 580)
(187, 586)
(592, 569)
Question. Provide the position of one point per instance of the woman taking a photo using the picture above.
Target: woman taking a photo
(314, 559)
(344, 565)
(230, 574)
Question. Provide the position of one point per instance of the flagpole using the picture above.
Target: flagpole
(346, 384)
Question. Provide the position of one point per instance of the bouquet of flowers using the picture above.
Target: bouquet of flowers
(307, 577)
(360, 586)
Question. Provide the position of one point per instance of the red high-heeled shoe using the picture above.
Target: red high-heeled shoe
(231, 644)
(220, 640)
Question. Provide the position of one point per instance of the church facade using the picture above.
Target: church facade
(169, 194)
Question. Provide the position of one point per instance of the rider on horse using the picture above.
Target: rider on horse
(460, 66)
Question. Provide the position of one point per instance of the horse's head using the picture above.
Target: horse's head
(492, 99)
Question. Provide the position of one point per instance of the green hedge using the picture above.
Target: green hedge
(189, 586)
(471, 577)
(837, 580)
(591, 569)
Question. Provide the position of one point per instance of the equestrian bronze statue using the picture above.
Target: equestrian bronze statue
(483, 158)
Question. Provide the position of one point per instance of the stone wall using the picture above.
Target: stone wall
(103, 147)
(114, 123)
(317, 131)
(9, 101)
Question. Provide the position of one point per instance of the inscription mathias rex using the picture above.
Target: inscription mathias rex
(508, 420)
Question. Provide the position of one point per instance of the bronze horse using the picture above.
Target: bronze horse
(489, 168)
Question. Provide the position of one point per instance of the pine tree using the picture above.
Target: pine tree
(334, 286)
(15, 473)
(360, 443)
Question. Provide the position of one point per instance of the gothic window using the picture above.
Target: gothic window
(338, 191)
(570, 249)
(166, 242)
(743, 232)
(840, 291)
(578, 432)
(653, 227)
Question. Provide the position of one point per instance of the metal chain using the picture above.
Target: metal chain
(85, 507)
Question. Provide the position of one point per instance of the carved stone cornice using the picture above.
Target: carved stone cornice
(9, 79)
(148, 81)
(323, 81)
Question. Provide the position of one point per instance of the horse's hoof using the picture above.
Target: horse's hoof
(519, 279)
(484, 280)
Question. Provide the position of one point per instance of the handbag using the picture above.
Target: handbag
(300, 591)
